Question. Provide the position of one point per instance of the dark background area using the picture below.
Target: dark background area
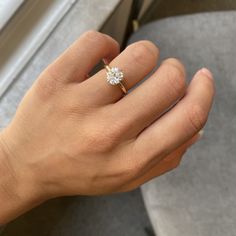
(165, 8)
(121, 214)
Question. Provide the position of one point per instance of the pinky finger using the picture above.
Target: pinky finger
(169, 163)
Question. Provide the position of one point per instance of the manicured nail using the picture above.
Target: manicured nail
(197, 137)
(201, 133)
(206, 72)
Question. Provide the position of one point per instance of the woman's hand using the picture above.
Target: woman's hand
(74, 135)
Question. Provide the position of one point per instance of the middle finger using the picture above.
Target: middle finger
(153, 97)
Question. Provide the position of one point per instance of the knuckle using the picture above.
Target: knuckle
(93, 35)
(144, 52)
(150, 47)
(197, 117)
(176, 67)
(175, 78)
(102, 41)
(175, 62)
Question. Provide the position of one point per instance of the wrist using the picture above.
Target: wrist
(18, 189)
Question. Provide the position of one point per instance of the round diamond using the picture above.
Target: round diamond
(114, 76)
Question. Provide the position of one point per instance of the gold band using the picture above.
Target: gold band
(123, 88)
(107, 68)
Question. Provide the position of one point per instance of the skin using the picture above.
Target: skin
(77, 136)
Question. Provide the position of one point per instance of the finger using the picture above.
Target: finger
(153, 97)
(180, 123)
(183, 148)
(136, 62)
(81, 57)
(169, 163)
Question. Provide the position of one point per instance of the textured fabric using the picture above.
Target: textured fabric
(199, 198)
(121, 214)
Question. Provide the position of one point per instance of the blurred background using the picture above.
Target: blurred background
(198, 198)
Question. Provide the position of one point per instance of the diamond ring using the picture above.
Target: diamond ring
(115, 77)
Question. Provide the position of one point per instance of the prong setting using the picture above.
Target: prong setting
(114, 76)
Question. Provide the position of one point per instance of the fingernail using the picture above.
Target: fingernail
(206, 72)
(201, 133)
(197, 137)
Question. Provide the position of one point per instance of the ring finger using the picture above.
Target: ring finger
(136, 62)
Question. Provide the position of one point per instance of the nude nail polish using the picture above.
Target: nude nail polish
(206, 72)
(201, 133)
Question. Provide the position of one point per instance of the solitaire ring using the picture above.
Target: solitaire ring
(115, 77)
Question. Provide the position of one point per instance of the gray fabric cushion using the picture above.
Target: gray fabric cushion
(120, 214)
(199, 198)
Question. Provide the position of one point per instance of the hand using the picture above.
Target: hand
(77, 136)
